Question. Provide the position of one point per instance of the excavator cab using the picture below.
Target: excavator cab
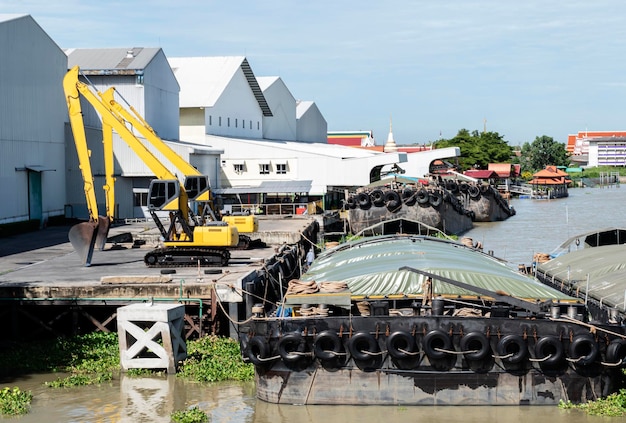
(163, 194)
(197, 187)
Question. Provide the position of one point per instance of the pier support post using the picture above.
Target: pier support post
(151, 336)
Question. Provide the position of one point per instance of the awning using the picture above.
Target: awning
(269, 187)
(35, 168)
(280, 161)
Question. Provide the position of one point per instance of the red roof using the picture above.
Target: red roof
(481, 173)
(502, 169)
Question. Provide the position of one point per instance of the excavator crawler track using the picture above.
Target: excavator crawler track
(187, 257)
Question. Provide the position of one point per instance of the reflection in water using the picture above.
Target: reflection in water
(538, 226)
(272, 413)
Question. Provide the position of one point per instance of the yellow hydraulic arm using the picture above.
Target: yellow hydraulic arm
(74, 87)
(85, 236)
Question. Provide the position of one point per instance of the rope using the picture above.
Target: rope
(456, 352)
(575, 360)
(541, 359)
(619, 363)
(296, 287)
(503, 357)
(330, 287)
(409, 352)
(373, 353)
(313, 311)
(334, 352)
(276, 357)
(590, 326)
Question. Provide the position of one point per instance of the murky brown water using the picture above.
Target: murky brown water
(538, 226)
(139, 400)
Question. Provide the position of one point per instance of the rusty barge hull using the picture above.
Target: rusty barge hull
(431, 360)
(435, 208)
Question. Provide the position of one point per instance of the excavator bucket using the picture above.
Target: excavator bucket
(103, 232)
(83, 238)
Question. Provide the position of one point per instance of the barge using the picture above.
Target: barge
(432, 206)
(416, 320)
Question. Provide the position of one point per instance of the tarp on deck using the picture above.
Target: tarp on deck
(370, 267)
(599, 272)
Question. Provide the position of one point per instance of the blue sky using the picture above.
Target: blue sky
(529, 68)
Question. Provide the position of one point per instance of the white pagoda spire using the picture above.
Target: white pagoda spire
(390, 145)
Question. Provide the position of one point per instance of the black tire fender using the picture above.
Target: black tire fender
(291, 347)
(473, 191)
(351, 202)
(616, 351)
(436, 340)
(400, 344)
(435, 199)
(378, 198)
(363, 200)
(327, 345)
(549, 346)
(512, 344)
(422, 196)
(258, 350)
(584, 350)
(392, 200)
(407, 193)
(478, 345)
(362, 345)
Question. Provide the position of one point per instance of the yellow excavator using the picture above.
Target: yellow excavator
(196, 184)
(185, 244)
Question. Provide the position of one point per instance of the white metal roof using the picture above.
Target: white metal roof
(111, 60)
(5, 17)
(203, 79)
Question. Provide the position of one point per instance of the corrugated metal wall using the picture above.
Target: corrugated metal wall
(32, 116)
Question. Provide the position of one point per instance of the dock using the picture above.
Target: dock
(46, 290)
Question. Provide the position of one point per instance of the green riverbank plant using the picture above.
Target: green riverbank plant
(214, 359)
(14, 402)
(612, 406)
(192, 415)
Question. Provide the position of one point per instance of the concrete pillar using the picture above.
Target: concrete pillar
(151, 336)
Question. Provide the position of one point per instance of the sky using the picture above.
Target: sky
(522, 69)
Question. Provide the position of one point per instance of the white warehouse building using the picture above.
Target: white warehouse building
(32, 116)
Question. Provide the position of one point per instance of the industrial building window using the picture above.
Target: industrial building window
(220, 121)
(139, 79)
(250, 124)
(236, 122)
(228, 122)
(239, 167)
(140, 199)
(210, 120)
(281, 168)
(264, 168)
(258, 125)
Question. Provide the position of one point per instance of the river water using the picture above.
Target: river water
(538, 226)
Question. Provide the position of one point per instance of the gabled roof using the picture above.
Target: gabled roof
(481, 174)
(302, 107)
(111, 61)
(550, 172)
(502, 169)
(5, 17)
(203, 79)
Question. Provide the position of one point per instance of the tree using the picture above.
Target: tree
(479, 149)
(541, 152)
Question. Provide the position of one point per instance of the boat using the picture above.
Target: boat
(591, 267)
(484, 202)
(419, 320)
(432, 206)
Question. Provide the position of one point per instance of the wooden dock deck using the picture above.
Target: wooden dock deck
(41, 269)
